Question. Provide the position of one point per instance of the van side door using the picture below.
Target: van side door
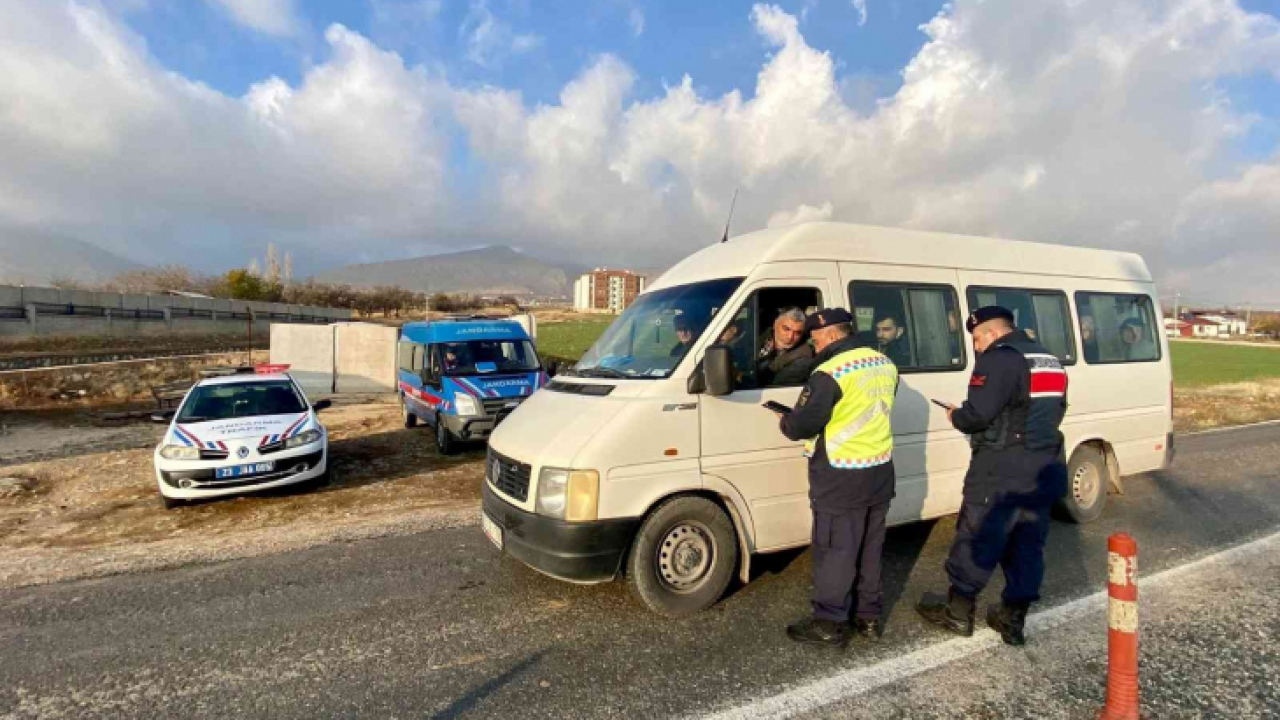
(915, 316)
(741, 442)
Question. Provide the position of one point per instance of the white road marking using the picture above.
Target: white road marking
(1229, 428)
(926, 657)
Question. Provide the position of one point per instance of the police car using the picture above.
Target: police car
(249, 430)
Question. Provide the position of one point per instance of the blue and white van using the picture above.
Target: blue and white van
(464, 375)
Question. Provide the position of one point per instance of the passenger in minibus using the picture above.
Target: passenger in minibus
(891, 334)
(785, 353)
(1088, 338)
(1137, 346)
(685, 335)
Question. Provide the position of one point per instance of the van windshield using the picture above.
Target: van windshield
(652, 336)
(486, 357)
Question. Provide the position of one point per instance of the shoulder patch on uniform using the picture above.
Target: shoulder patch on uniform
(977, 380)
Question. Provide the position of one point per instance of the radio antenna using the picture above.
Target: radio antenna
(732, 205)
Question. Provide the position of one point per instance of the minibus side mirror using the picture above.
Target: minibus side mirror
(717, 368)
(553, 368)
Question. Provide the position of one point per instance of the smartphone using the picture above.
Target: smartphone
(941, 404)
(776, 407)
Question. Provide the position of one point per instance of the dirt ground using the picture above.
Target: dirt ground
(1221, 405)
(78, 500)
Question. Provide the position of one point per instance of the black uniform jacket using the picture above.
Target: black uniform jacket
(1001, 378)
(833, 489)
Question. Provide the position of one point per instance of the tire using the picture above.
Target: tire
(698, 533)
(1088, 481)
(170, 503)
(445, 442)
(410, 420)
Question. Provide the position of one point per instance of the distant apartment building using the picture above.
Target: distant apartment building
(603, 290)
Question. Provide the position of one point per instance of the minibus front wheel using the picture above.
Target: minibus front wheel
(683, 557)
(1088, 479)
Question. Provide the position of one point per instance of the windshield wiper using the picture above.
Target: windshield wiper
(600, 372)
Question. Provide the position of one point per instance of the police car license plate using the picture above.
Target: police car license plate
(491, 529)
(242, 470)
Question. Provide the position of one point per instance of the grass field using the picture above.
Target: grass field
(1203, 364)
(569, 340)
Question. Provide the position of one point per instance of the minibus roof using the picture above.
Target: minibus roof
(462, 330)
(845, 242)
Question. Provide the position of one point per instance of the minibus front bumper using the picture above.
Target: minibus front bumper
(580, 552)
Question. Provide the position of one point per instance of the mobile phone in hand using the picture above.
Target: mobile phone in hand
(777, 407)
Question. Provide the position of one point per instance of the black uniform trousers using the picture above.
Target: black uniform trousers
(1010, 533)
(847, 545)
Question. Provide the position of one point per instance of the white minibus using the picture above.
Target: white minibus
(652, 458)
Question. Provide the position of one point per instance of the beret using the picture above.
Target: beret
(983, 314)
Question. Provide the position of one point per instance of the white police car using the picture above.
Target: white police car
(250, 430)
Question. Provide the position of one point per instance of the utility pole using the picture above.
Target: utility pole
(1248, 320)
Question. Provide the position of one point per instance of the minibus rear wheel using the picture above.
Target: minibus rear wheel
(683, 557)
(1087, 481)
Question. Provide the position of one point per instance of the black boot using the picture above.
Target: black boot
(819, 632)
(865, 629)
(952, 613)
(1009, 620)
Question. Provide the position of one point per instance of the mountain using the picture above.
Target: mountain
(33, 257)
(488, 271)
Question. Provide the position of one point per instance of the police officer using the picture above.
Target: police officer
(1017, 398)
(843, 413)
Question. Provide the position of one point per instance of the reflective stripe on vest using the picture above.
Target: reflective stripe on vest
(858, 435)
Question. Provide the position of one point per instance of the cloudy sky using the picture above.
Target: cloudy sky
(616, 130)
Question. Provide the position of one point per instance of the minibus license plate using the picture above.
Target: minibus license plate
(242, 470)
(491, 529)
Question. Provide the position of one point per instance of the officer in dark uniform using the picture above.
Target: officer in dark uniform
(844, 414)
(1017, 398)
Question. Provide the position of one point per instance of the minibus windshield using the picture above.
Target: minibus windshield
(652, 336)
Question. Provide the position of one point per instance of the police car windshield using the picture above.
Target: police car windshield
(487, 357)
(219, 402)
(651, 337)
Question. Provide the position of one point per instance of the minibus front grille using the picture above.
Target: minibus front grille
(509, 476)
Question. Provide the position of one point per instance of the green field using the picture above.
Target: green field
(569, 340)
(1201, 364)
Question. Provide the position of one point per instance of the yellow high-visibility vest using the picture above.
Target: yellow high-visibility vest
(858, 434)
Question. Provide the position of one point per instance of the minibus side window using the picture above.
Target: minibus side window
(409, 356)
(1042, 314)
(1117, 328)
(757, 360)
(918, 326)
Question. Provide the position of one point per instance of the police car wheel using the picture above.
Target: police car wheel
(409, 418)
(683, 557)
(1087, 481)
(444, 439)
(170, 503)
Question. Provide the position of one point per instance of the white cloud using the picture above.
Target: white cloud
(490, 41)
(1089, 122)
(802, 214)
(635, 19)
(861, 7)
(273, 17)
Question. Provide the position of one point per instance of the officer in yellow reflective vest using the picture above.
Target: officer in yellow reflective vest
(843, 413)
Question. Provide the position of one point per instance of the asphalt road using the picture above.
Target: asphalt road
(438, 625)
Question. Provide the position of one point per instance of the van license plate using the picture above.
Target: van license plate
(243, 470)
(491, 529)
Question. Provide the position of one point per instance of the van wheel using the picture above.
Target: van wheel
(683, 557)
(445, 442)
(409, 418)
(1087, 483)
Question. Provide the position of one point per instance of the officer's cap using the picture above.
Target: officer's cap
(827, 318)
(983, 314)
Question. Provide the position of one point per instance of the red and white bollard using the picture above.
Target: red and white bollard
(1122, 629)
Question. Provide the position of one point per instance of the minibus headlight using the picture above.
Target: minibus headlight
(179, 452)
(466, 405)
(571, 495)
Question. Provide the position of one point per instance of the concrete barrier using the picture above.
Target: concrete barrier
(308, 351)
(365, 358)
